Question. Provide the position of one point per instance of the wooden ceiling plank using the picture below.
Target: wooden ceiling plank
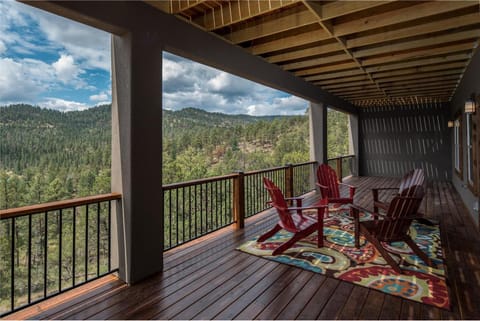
(424, 42)
(328, 27)
(433, 84)
(341, 80)
(289, 42)
(336, 75)
(419, 69)
(420, 62)
(420, 90)
(349, 84)
(335, 9)
(238, 11)
(419, 53)
(417, 30)
(419, 75)
(416, 11)
(297, 17)
(303, 53)
(355, 89)
(363, 96)
(316, 62)
(319, 70)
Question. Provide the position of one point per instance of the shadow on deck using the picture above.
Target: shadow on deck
(208, 279)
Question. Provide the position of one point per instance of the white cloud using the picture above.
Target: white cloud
(67, 71)
(188, 84)
(89, 46)
(3, 48)
(62, 105)
(103, 96)
(23, 80)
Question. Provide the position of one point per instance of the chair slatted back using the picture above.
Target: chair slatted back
(280, 204)
(412, 178)
(396, 227)
(326, 176)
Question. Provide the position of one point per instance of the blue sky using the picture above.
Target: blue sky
(56, 63)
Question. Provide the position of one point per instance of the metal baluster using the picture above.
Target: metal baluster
(98, 239)
(60, 232)
(86, 242)
(74, 245)
(109, 235)
(45, 256)
(12, 266)
(29, 281)
(177, 229)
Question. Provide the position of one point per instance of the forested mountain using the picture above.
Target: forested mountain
(48, 155)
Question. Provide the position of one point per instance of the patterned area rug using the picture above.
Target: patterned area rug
(365, 266)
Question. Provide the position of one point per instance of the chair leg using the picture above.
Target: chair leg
(288, 244)
(418, 251)
(270, 233)
(380, 248)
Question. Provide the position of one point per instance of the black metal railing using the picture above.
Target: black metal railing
(195, 208)
(50, 248)
(343, 165)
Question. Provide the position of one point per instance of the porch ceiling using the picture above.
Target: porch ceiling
(367, 52)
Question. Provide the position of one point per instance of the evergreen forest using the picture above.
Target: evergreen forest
(47, 155)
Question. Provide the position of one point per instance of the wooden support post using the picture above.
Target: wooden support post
(239, 200)
(339, 168)
(289, 180)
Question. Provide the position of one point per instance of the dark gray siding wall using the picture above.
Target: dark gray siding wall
(397, 139)
(470, 84)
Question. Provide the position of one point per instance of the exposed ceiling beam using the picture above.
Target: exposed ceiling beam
(415, 30)
(333, 75)
(421, 76)
(335, 9)
(231, 12)
(420, 62)
(420, 43)
(304, 53)
(416, 11)
(319, 70)
(278, 22)
(316, 61)
(300, 39)
(419, 53)
(419, 70)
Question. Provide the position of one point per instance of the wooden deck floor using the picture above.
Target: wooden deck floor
(208, 279)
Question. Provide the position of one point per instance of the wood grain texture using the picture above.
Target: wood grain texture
(209, 279)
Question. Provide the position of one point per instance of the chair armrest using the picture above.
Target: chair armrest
(312, 207)
(382, 205)
(321, 186)
(351, 188)
(293, 198)
(323, 190)
(358, 208)
(383, 188)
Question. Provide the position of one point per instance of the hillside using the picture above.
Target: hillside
(48, 155)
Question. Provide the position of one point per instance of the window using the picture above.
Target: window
(470, 172)
(457, 137)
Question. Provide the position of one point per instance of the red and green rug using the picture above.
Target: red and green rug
(365, 266)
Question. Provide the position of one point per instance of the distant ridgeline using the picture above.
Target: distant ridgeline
(48, 155)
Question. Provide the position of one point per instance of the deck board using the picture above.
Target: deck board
(208, 279)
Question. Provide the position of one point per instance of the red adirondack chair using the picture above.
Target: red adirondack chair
(411, 178)
(292, 219)
(330, 187)
(393, 226)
